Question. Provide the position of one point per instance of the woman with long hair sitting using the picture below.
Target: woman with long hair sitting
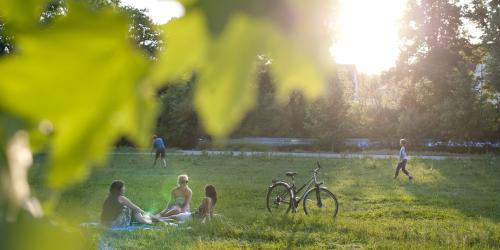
(118, 210)
(206, 208)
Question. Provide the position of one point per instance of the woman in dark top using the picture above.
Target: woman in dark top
(206, 208)
(118, 210)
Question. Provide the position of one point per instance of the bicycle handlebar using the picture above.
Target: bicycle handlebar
(319, 167)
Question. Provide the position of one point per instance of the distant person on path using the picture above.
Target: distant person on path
(159, 148)
(118, 210)
(403, 159)
(179, 199)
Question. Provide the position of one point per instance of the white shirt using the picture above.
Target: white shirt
(402, 154)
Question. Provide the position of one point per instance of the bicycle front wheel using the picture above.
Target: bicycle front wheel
(320, 201)
(279, 198)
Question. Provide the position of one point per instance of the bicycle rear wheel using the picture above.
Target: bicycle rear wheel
(320, 202)
(279, 198)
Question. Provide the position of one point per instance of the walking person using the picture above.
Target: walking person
(159, 148)
(403, 159)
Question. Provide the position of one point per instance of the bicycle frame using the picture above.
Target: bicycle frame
(290, 196)
(312, 182)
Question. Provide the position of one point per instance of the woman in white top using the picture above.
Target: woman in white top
(206, 209)
(180, 198)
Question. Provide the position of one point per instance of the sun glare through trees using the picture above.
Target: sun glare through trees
(186, 124)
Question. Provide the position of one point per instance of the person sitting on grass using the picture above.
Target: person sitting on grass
(118, 210)
(180, 198)
(205, 210)
(403, 159)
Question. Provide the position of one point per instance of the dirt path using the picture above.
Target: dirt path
(293, 154)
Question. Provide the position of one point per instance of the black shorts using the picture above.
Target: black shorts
(160, 152)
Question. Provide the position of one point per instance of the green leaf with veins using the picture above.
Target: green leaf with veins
(221, 43)
(82, 75)
(293, 69)
(188, 42)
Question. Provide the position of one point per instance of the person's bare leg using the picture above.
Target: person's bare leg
(161, 212)
(141, 219)
(156, 158)
(158, 218)
(173, 217)
(170, 212)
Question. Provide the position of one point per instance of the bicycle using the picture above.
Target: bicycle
(283, 196)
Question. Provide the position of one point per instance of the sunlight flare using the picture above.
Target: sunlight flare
(368, 34)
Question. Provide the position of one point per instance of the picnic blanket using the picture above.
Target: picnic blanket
(108, 238)
(130, 228)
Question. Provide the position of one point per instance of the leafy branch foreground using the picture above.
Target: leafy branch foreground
(75, 85)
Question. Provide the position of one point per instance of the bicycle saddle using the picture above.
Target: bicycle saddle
(291, 174)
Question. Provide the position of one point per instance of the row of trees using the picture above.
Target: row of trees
(143, 32)
(430, 93)
(440, 98)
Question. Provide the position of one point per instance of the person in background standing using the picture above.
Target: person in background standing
(159, 147)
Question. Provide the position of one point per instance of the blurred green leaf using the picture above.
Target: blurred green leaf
(188, 42)
(21, 13)
(293, 69)
(294, 34)
(80, 75)
(187, 3)
(225, 91)
(42, 234)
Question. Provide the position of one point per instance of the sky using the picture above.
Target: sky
(368, 30)
(369, 34)
(160, 11)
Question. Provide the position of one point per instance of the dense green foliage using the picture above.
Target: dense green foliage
(177, 121)
(5, 41)
(440, 93)
(486, 14)
(329, 117)
(432, 92)
(451, 203)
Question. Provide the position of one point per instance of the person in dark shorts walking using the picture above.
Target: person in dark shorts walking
(403, 159)
(159, 148)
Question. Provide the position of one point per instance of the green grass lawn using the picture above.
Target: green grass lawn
(452, 204)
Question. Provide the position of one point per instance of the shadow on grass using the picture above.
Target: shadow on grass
(366, 188)
(469, 186)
